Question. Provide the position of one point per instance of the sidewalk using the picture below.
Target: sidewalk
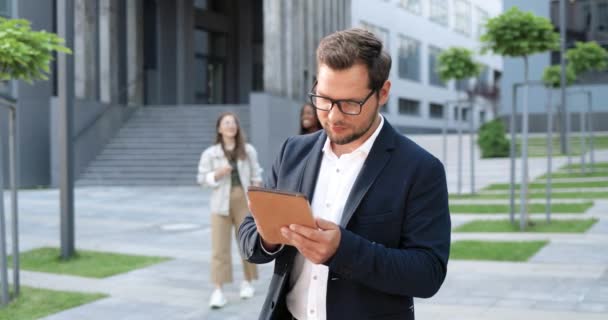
(568, 279)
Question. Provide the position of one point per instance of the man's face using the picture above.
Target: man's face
(351, 84)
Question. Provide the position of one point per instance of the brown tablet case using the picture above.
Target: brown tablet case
(273, 209)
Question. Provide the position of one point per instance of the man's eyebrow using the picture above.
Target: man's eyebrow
(326, 96)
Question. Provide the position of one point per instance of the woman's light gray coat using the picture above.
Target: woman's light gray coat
(213, 158)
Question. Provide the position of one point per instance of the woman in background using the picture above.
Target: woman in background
(309, 122)
(228, 167)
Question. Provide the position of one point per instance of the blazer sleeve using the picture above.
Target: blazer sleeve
(248, 236)
(418, 267)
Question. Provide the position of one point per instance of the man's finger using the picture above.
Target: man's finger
(310, 233)
(325, 224)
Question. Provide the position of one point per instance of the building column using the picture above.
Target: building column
(135, 52)
(85, 49)
(108, 51)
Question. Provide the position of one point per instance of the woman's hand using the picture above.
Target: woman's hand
(222, 172)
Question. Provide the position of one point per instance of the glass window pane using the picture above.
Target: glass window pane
(434, 79)
(413, 6)
(409, 58)
(436, 111)
(201, 85)
(439, 12)
(409, 107)
(482, 18)
(5, 8)
(201, 4)
(380, 32)
(201, 41)
(462, 16)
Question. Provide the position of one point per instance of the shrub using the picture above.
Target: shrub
(492, 140)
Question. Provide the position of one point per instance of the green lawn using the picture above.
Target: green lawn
(568, 226)
(542, 185)
(35, 303)
(532, 208)
(577, 174)
(597, 165)
(86, 263)
(537, 145)
(493, 250)
(535, 195)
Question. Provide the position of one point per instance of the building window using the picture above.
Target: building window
(380, 32)
(586, 21)
(439, 12)
(482, 19)
(409, 58)
(462, 17)
(5, 8)
(482, 117)
(464, 112)
(413, 6)
(482, 79)
(210, 5)
(462, 85)
(209, 66)
(409, 107)
(434, 79)
(436, 111)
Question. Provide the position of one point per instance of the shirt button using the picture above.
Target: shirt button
(328, 205)
(338, 170)
(314, 277)
(312, 311)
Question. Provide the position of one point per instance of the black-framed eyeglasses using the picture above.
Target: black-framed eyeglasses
(346, 106)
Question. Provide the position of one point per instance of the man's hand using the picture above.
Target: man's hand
(317, 245)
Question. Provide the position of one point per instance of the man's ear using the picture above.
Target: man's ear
(384, 92)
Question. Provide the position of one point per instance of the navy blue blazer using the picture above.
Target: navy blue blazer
(395, 239)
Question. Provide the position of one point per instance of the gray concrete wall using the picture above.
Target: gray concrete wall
(95, 124)
(272, 120)
(538, 122)
(514, 73)
(32, 108)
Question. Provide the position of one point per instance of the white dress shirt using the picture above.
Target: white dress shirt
(308, 281)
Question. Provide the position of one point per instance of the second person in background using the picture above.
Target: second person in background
(309, 122)
(228, 167)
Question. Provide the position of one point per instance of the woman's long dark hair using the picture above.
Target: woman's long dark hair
(317, 122)
(239, 147)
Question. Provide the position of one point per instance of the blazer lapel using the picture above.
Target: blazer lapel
(308, 181)
(375, 162)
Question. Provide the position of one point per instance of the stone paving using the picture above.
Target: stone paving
(568, 279)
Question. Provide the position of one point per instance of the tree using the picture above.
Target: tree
(24, 55)
(587, 56)
(520, 34)
(552, 78)
(457, 63)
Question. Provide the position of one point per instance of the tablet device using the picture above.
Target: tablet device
(273, 209)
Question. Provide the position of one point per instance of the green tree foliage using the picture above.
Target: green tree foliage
(552, 76)
(457, 63)
(587, 56)
(25, 54)
(492, 140)
(516, 33)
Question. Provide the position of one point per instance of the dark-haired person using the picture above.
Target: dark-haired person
(228, 167)
(380, 201)
(309, 122)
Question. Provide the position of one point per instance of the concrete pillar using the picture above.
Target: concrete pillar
(85, 49)
(292, 30)
(135, 52)
(108, 51)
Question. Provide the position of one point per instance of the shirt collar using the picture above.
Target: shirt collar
(365, 148)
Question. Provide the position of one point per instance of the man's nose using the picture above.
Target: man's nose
(335, 113)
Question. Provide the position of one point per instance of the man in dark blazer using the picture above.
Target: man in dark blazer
(380, 201)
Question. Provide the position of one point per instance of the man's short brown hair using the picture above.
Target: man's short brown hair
(341, 50)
